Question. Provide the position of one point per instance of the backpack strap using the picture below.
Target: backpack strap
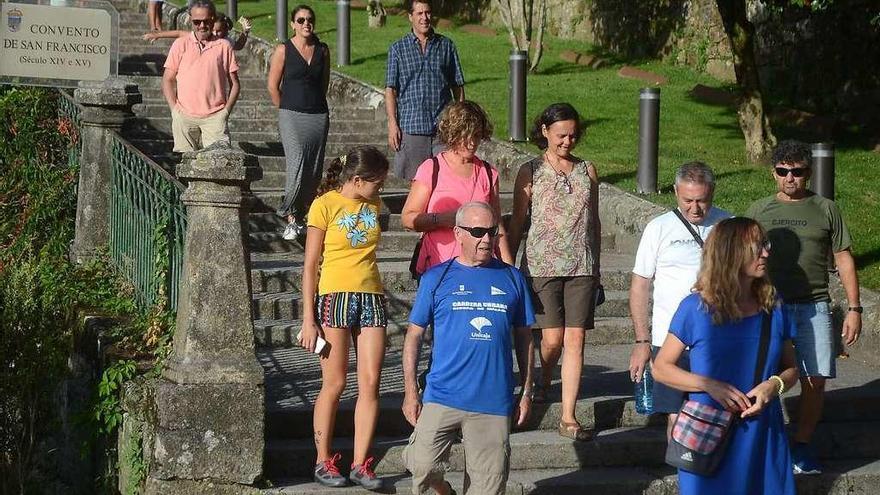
(434, 174)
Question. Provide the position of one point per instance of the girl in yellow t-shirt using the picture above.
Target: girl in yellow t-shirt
(343, 229)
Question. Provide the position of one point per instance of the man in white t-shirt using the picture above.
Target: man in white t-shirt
(669, 255)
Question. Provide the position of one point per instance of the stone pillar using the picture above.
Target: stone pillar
(107, 105)
(210, 403)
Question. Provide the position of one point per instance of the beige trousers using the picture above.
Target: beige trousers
(486, 447)
(194, 133)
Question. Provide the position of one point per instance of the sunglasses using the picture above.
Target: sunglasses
(763, 245)
(303, 20)
(199, 22)
(479, 232)
(797, 172)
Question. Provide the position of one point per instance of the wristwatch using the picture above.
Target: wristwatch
(857, 309)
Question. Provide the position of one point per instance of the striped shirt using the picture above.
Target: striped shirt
(423, 81)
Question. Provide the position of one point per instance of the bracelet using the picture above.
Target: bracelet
(643, 341)
(781, 387)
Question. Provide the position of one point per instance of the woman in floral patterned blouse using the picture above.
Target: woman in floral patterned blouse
(556, 209)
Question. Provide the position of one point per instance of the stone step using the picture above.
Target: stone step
(392, 199)
(528, 450)
(255, 143)
(154, 84)
(272, 242)
(856, 476)
(288, 305)
(342, 119)
(274, 273)
(275, 334)
(138, 46)
(605, 396)
(341, 116)
(339, 131)
(546, 449)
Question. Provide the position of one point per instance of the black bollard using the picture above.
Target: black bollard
(516, 88)
(281, 20)
(822, 181)
(343, 32)
(232, 10)
(649, 139)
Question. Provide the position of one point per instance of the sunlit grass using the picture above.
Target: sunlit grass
(689, 130)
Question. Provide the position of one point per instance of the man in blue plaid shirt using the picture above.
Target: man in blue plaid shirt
(423, 75)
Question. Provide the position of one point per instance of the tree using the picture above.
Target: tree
(741, 32)
(752, 116)
(522, 18)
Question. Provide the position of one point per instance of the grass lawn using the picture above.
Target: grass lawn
(689, 130)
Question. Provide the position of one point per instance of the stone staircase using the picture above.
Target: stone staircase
(627, 455)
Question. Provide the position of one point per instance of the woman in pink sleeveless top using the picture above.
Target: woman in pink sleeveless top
(461, 177)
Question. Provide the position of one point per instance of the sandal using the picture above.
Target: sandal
(575, 431)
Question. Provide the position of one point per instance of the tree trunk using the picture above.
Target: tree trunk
(752, 117)
(538, 45)
(507, 16)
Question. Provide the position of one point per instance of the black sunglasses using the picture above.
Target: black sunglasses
(303, 20)
(797, 172)
(479, 232)
(199, 22)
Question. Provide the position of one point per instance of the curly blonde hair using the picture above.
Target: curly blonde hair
(463, 122)
(732, 245)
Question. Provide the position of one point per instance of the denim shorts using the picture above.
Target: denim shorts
(351, 310)
(814, 343)
(668, 400)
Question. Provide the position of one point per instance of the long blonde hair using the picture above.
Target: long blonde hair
(732, 245)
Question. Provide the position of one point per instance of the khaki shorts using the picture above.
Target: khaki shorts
(564, 301)
(194, 133)
(486, 448)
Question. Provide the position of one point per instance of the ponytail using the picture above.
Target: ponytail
(331, 177)
(364, 161)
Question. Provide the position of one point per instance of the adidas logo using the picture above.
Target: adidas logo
(495, 291)
(687, 457)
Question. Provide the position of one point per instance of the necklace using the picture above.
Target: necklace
(561, 177)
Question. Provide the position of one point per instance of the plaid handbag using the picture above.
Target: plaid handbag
(699, 438)
(701, 431)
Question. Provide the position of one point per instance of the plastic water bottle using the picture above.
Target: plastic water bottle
(643, 394)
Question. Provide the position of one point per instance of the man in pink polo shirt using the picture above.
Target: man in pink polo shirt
(200, 83)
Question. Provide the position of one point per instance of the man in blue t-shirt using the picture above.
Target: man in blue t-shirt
(480, 309)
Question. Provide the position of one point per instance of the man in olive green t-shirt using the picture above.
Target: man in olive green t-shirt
(804, 230)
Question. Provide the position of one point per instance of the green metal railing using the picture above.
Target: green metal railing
(147, 218)
(147, 224)
(70, 112)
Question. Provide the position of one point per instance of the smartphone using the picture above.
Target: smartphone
(319, 344)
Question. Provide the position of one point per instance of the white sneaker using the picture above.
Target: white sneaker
(291, 231)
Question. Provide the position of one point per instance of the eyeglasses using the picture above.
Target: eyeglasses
(303, 20)
(797, 172)
(199, 22)
(480, 232)
(763, 246)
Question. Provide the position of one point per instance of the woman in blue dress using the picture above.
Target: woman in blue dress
(721, 323)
